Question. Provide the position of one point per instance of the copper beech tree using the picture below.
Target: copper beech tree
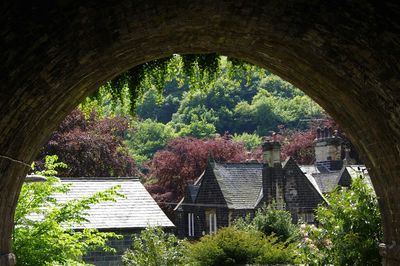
(91, 146)
(183, 160)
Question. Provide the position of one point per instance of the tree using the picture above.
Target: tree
(183, 160)
(250, 141)
(42, 234)
(350, 228)
(300, 146)
(146, 137)
(91, 146)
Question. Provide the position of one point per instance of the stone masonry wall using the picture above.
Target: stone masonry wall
(101, 258)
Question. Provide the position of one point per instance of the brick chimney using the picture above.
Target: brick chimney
(328, 150)
(272, 173)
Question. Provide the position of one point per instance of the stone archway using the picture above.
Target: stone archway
(345, 56)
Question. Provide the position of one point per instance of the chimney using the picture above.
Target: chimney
(328, 150)
(271, 152)
(272, 173)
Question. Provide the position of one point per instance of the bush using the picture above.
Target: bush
(231, 246)
(271, 220)
(153, 247)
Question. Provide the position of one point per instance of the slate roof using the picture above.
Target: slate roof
(240, 183)
(327, 181)
(137, 210)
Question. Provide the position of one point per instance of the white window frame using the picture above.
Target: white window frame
(212, 222)
(190, 224)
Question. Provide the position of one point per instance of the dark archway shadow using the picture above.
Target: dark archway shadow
(344, 56)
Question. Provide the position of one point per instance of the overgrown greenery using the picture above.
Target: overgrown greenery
(43, 233)
(349, 230)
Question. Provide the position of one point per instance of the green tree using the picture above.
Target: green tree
(147, 137)
(350, 228)
(198, 122)
(43, 234)
(153, 247)
(250, 141)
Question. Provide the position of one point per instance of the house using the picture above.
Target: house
(330, 170)
(125, 216)
(226, 191)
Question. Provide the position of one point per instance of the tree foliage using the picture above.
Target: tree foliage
(300, 146)
(232, 246)
(43, 233)
(250, 141)
(91, 146)
(154, 247)
(146, 137)
(350, 229)
(271, 220)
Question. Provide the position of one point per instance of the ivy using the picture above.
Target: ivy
(198, 69)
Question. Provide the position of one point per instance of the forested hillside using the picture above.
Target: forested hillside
(246, 102)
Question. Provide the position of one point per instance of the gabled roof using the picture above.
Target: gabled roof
(307, 172)
(137, 210)
(240, 183)
(325, 181)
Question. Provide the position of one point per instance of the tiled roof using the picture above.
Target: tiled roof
(240, 183)
(137, 210)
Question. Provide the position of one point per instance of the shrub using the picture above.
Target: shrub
(154, 247)
(231, 246)
(271, 220)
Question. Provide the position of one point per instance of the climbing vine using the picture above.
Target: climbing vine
(196, 68)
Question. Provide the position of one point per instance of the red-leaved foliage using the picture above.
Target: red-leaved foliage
(299, 145)
(183, 160)
(91, 147)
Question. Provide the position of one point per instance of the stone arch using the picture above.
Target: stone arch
(344, 55)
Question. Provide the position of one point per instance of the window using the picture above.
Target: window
(211, 220)
(191, 224)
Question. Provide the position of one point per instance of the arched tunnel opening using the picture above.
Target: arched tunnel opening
(344, 56)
